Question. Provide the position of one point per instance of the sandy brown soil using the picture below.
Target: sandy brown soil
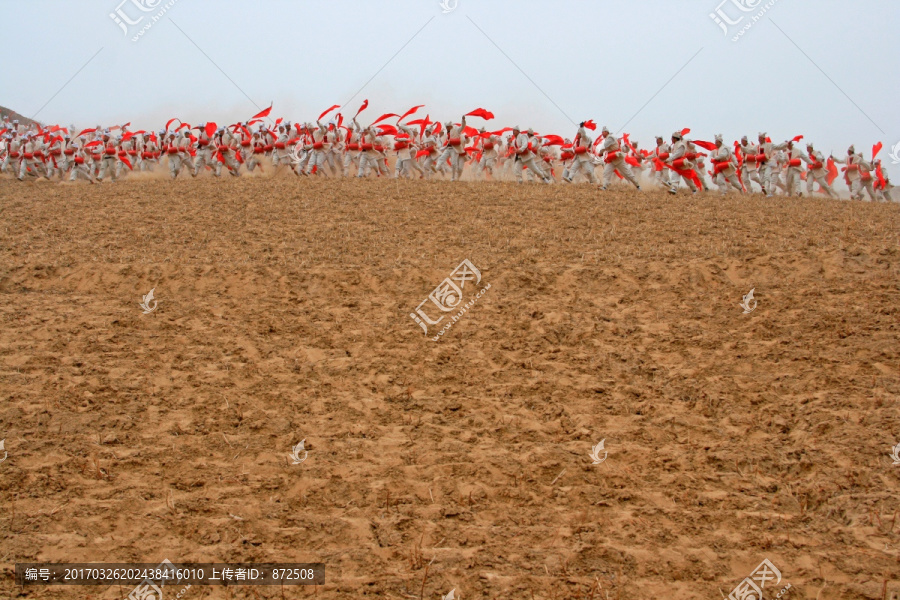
(284, 314)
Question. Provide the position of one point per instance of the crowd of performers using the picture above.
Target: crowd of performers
(420, 148)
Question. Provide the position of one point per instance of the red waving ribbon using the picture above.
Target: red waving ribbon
(328, 111)
(688, 173)
(832, 171)
(705, 145)
(480, 112)
(880, 175)
(423, 123)
(383, 117)
(262, 114)
(628, 143)
(409, 112)
(553, 140)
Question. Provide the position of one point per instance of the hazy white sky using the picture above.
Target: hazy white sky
(532, 63)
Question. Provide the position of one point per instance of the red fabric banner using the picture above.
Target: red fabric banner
(409, 112)
(480, 112)
(328, 111)
(705, 145)
(262, 114)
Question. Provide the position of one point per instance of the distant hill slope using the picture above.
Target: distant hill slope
(14, 115)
